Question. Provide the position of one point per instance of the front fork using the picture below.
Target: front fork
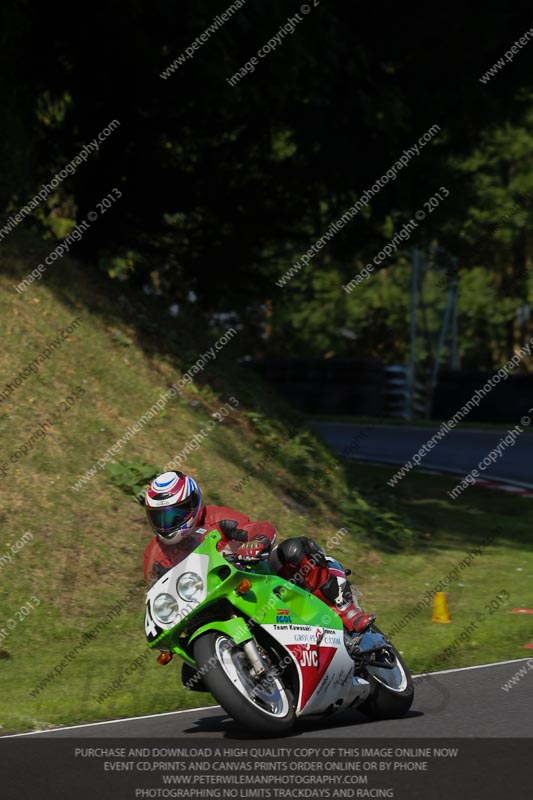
(254, 656)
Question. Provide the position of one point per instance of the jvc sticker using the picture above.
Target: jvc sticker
(309, 658)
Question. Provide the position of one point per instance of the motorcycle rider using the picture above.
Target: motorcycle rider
(175, 512)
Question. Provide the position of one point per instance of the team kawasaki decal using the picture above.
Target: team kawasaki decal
(313, 649)
(309, 633)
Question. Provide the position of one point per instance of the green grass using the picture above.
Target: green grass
(393, 583)
(87, 546)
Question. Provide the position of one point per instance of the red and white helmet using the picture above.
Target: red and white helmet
(172, 503)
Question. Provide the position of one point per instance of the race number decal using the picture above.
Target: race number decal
(150, 628)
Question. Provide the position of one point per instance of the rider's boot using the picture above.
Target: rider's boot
(341, 601)
(355, 619)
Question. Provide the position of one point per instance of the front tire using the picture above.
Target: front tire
(265, 707)
(393, 690)
(191, 679)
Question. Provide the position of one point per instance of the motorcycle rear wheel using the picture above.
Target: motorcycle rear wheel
(265, 706)
(393, 690)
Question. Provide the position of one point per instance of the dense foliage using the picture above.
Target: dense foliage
(225, 187)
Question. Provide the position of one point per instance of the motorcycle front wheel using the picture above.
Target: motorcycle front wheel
(263, 705)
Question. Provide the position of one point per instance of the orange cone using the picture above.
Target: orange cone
(440, 608)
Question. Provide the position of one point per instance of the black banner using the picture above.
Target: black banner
(147, 769)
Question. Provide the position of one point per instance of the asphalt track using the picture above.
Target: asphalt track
(458, 452)
(461, 703)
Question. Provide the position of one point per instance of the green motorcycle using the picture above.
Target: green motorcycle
(267, 650)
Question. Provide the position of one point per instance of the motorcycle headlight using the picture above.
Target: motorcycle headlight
(190, 586)
(166, 608)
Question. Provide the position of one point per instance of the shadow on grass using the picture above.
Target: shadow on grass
(480, 517)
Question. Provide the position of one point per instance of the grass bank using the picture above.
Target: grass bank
(70, 561)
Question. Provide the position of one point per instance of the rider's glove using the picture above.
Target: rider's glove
(250, 551)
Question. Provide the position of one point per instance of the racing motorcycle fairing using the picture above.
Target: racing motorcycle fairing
(204, 592)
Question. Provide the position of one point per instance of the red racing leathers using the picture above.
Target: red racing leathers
(159, 557)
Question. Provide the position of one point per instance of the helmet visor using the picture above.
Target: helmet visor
(168, 520)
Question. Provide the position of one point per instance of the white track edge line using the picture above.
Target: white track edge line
(109, 722)
(437, 426)
(206, 708)
(440, 469)
(474, 666)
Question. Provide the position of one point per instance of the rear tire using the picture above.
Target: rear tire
(224, 665)
(385, 702)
